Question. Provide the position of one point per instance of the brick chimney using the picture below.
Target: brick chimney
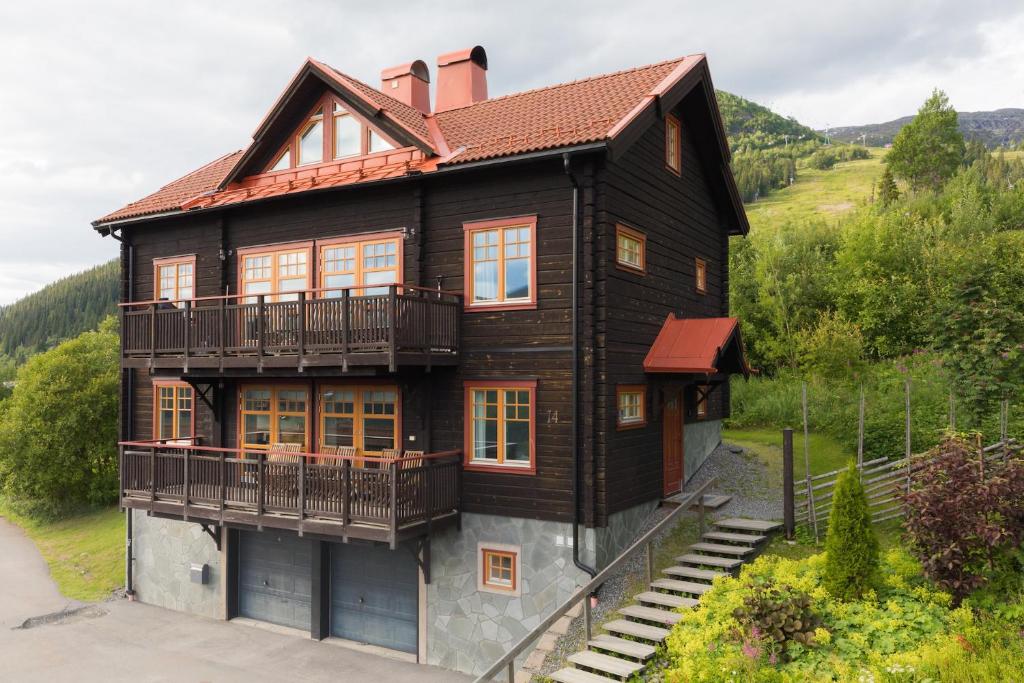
(408, 83)
(461, 78)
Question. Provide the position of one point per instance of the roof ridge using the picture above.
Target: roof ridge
(555, 86)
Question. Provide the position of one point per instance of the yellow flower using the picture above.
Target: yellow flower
(822, 635)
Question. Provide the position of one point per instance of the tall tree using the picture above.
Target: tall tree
(929, 149)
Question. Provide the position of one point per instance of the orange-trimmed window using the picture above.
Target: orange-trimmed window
(499, 569)
(630, 248)
(272, 414)
(173, 415)
(673, 144)
(702, 401)
(701, 276)
(500, 425)
(501, 263)
(264, 270)
(346, 262)
(328, 133)
(174, 278)
(631, 400)
(366, 417)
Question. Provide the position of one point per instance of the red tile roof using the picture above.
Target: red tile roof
(589, 110)
(693, 346)
(172, 195)
(555, 116)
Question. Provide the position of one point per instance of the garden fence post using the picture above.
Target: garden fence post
(788, 513)
(860, 436)
(906, 452)
(952, 412)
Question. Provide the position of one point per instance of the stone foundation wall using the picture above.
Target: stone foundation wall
(164, 550)
(623, 528)
(469, 629)
(699, 440)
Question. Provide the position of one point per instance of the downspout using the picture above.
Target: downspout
(574, 443)
(127, 415)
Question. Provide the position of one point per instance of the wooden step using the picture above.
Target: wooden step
(720, 549)
(730, 537)
(740, 524)
(688, 587)
(577, 676)
(709, 561)
(610, 666)
(621, 646)
(707, 575)
(631, 628)
(654, 614)
(712, 501)
(665, 600)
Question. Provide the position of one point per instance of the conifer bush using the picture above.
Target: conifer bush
(851, 546)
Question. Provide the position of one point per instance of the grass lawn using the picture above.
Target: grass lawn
(826, 454)
(85, 552)
(824, 194)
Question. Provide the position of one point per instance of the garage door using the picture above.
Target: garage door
(274, 578)
(374, 595)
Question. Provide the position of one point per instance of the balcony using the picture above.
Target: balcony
(386, 500)
(337, 328)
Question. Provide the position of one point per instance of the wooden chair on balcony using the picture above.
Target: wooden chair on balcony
(281, 479)
(409, 464)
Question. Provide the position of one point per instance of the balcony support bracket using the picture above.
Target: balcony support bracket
(421, 553)
(213, 532)
(206, 395)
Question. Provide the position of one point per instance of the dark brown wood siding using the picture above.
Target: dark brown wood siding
(681, 222)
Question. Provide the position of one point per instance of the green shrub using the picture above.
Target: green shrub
(777, 616)
(58, 430)
(851, 546)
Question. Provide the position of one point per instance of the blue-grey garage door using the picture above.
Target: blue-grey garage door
(374, 595)
(274, 578)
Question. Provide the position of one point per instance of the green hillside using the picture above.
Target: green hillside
(751, 126)
(59, 311)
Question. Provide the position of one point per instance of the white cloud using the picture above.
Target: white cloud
(104, 102)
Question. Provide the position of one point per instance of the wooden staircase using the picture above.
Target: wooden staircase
(632, 640)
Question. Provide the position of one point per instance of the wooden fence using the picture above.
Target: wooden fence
(884, 480)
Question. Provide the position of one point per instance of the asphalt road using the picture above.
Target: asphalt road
(129, 641)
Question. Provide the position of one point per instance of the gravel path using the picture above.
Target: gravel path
(757, 493)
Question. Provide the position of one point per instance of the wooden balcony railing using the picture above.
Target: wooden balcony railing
(335, 327)
(361, 497)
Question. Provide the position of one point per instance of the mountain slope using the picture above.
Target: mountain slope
(753, 126)
(59, 311)
(1002, 127)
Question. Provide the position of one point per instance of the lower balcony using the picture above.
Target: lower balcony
(379, 499)
(399, 325)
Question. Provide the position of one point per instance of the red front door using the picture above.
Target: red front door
(672, 442)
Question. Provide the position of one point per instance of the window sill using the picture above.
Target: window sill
(500, 469)
(513, 306)
(626, 426)
(630, 269)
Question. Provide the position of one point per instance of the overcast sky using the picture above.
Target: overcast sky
(103, 102)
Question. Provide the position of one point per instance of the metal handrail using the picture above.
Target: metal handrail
(644, 542)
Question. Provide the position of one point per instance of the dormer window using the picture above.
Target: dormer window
(311, 142)
(378, 143)
(330, 132)
(347, 132)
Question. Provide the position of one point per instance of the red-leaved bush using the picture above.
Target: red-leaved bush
(962, 516)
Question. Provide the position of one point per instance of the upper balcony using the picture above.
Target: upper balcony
(395, 325)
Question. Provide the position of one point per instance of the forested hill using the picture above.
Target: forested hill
(751, 126)
(59, 311)
(1002, 127)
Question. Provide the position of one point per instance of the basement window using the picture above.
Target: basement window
(499, 569)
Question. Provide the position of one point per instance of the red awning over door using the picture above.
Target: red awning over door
(698, 346)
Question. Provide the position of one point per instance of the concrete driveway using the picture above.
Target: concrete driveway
(130, 641)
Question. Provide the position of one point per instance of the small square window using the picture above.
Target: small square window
(632, 406)
(673, 144)
(701, 276)
(499, 569)
(630, 249)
